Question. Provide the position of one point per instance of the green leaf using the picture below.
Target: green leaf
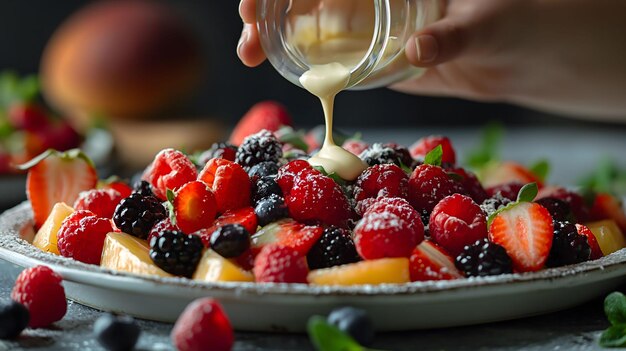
(434, 156)
(405, 168)
(487, 151)
(326, 337)
(607, 177)
(527, 193)
(170, 195)
(288, 135)
(614, 336)
(334, 176)
(615, 308)
(169, 205)
(541, 169)
(14, 89)
(321, 170)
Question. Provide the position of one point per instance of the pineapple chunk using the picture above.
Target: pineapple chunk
(215, 268)
(46, 237)
(609, 236)
(381, 271)
(127, 253)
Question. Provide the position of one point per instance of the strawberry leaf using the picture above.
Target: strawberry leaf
(527, 193)
(434, 156)
(541, 169)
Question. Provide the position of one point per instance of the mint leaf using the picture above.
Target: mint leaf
(334, 176)
(326, 337)
(615, 308)
(288, 135)
(614, 336)
(321, 170)
(169, 205)
(541, 169)
(434, 156)
(487, 151)
(405, 168)
(527, 193)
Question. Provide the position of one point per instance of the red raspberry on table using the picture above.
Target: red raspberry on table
(429, 184)
(280, 264)
(39, 289)
(230, 184)
(422, 147)
(194, 206)
(289, 172)
(170, 169)
(203, 325)
(385, 180)
(385, 234)
(102, 202)
(316, 197)
(355, 147)
(82, 235)
(457, 221)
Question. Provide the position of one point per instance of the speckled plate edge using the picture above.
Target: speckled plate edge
(13, 249)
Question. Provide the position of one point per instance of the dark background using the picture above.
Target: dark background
(230, 88)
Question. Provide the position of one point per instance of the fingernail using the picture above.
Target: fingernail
(245, 34)
(427, 48)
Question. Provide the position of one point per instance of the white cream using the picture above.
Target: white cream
(325, 82)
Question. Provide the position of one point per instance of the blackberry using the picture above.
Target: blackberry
(484, 258)
(263, 169)
(14, 318)
(403, 154)
(137, 214)
(354, 322)
(116, 333)
(265, 187)
(378, 154)
(226, 151)
(568, 247)
(143, 188)
(231, 240)
(559, 209)
(335, 247)
(260, 147)
(176, 252)
(270, 209)
(494, 203)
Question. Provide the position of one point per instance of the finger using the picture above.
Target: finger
(247, 11)
(249, 48)
(438, 43)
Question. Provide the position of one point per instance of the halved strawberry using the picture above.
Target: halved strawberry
(230, 184)
(57, 177)
(288, 233)
(606, 206)
(194, 206)
(596, 252)
(268, 115)
(243, 216)
(430, 262)
(508, 172)
(526, 232)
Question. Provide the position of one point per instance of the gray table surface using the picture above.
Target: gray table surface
(572, 152)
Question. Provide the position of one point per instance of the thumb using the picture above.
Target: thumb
(438, 43)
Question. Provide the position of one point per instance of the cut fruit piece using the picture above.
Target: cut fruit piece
(215, 268)
(430, 262)
(507, 172)
(127, 253)
(607, 206)
(46, 237)
(381, 271)
(609, 236)
(287, 233)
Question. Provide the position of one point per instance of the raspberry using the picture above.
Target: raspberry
(422, 147)
(229, 182)
(230, 241)
(378, 154)
(102, 202)
(39, 289)
(260, 147)
(428, 185)
(484, 258)
(385, 234)
(507, 190)
(356, 147)
(280, 264)
(386, 180)
(203, 325)
(137, 214)
(169, 170)
(226, 151)
(472, 185)
(288, 173)
(120, 186)
(335, 247)
(398, 206)
(194, 207)
(457, 221)
(176, 252)
(568, 247)
(316, 197)
(82, 235)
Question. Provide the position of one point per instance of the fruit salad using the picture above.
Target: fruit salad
(254, 210)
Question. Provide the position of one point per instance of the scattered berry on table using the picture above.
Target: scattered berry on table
(116, 333)
(596, 252)
(230, 241)
(354, 322)
(335, 247)
(263, 169)
(484, 258)
(203, 325)
(102, 202)
(568, 247)
(428, 185)
(142, 187)
(39, 289)
(429, 261)
(82, 235)
(226, 151)
(260, 147)
(170, 169)
(176, 252)
(422, 147)
(137, 214)
(265, 187)
(385, 234)
(269, 115)
(14, 318)
(270, 209)
(385, 180)
(378, 154)
(280, 264)
(457, 221)
(195, 206)
(229, 182)
(559, 209)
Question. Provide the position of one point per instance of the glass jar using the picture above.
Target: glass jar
(366, 36)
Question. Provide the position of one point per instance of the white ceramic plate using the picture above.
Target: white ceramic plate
(286, 307)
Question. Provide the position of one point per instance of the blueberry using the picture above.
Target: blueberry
(265, 187)
(270, 209)
(263, 169)
(230, 240)
(354, 322)
(116, 333)
(14, 318)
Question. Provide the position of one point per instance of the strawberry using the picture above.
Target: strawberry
(508, 172)
(27, 116)
(170, 169)
(596, 252)
(280, 264)
(422, 147)
(203, 325)
(288, 173)
(230, 184)
(82, 236)
(386, 180)
(606, 206)
(428, 261)
(40, 290)
(244, 216)
(57, 177)
(289, 233)
(386, 235)
(102, 202)
(526, 232)
(268, 115)
(194, 206)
